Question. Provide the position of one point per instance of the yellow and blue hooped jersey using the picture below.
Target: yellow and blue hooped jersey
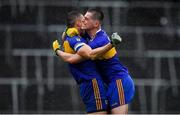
(85, 70)
(109, 64)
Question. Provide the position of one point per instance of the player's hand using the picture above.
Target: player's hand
(115, 39)
(72, 32)
(56, 46)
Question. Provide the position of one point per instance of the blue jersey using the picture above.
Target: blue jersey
(91, 86)
(109, 65)
(121, 88)
(85, 70)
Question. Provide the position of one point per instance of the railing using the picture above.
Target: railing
(156, 84)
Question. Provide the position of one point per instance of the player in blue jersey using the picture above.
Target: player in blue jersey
(85, 73)
(120, 85)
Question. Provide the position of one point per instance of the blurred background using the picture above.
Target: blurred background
(33, 80)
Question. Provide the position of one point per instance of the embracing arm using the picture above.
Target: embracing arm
(70, 58)
(98, 52)
(84, 51)
(87, 52)
(115, 39)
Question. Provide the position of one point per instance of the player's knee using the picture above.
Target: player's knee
(123, 109)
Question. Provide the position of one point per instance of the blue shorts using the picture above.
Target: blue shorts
(93, 94)
(120, 91)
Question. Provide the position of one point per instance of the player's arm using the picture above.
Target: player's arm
(67, 57)
(98, 52)
(70, 58)
(84, 51)
(87, 52)
(105, 46)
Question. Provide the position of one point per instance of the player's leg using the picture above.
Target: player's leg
(120, 93)
(93, 94)
(123, 109)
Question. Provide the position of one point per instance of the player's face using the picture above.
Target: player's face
(80, 22)
(89, 21)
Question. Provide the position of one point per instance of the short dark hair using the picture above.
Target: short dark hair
(97, 14)
(71, 18)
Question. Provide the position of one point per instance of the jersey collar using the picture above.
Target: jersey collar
(96, 34)
(98, 30)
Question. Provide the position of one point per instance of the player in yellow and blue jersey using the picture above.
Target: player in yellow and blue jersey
(121, 89)
(85, 73)
(91, 86)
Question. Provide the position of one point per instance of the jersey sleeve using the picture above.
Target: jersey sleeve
(76, 43)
